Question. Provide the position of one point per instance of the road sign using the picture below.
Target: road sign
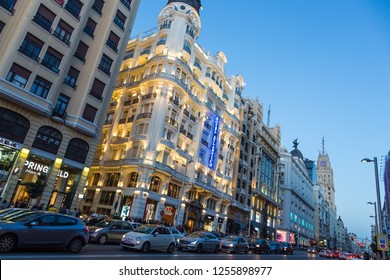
(382, 242)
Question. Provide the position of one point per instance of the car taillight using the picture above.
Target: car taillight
(86, 229)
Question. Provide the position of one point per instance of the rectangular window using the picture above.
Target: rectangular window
(129, 54)
(74, 8)
(31, 46)
(61, 105)
(120, 20)
(52, 60)
(8, 5)
(105, 64)
(44, 17)
(89, 28)
(112, 179)
(113, 41)
(89, 113)
(127, 3)
(81, 51)
(71, 77)
(98, 6)
(40, 87)
(107, 198)
(97, 89)
(18, 75)
(63, 32)
(90, 194)
(2, 24)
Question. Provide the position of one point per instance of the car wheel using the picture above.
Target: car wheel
(146, 247)
(171, 248)
(75, 245)
(199, 248)
(7, 243)
(216, 249)
(102, 239)
(246, 250)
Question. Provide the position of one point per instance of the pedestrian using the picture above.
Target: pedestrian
(76, 213)
(4, 204)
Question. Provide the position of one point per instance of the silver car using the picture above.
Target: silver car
(149, 237)
(200, 241)
(235, 244)
(109, 231)
(42, 229)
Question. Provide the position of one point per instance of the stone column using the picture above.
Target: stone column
(139, 203)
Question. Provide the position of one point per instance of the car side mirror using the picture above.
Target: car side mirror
(155, 234)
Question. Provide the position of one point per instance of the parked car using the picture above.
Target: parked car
(200, 241)
(9, 212)
(273, 246)
(285, 248)
(259, 246)
(42, 229)
(149, 237)
(177, 235)
(109, 231)
(312, 250)
(235, 244)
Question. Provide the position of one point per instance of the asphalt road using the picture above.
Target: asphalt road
(115, 252)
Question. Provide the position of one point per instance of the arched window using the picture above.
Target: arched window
(133, 179)
(48, 139)
(155, 184)
(13, 126)
(77, 150)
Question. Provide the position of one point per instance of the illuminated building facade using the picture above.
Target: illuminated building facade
(58, 60)
(169, 142)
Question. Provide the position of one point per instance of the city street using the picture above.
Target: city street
(115, 252)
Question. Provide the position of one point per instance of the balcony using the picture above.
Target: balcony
(131, 119)
(172, 122)
(189, 135)
(144, 116)
(148, 96)
(122, 121)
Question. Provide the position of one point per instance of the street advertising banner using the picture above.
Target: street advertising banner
(387, 180)
(382, 242)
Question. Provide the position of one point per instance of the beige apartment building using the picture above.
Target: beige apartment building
(256, 203)
(59, 60)
(170, 138)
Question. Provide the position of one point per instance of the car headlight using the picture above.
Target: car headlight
(98, 229)
(257, 245)
(193, 242)
(178, 240)
(231, 245)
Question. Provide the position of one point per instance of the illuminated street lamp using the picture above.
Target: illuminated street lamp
(378, 194)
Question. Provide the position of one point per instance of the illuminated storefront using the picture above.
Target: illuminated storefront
(9, 152)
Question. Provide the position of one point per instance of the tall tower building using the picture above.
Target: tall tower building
(58, 63)
(325, 176)
(325, 180)
(169, 142)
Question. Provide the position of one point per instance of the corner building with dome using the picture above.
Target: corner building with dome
(169, 143)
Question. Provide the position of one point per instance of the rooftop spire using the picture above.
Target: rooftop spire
(193, 3)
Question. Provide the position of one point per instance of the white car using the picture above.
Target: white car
(177, 235)
(149, 237)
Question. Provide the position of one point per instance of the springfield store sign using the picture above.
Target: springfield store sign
(37, 168)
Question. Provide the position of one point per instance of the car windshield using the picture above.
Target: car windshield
(24, 216)
(196, 235)
(104, 224)
(145, 229)
(231, 238)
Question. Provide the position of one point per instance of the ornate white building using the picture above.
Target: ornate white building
(169, 143)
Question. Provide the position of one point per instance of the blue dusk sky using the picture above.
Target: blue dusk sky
(324, 68)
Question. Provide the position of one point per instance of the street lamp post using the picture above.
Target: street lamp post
(378, 195)
(182, 192)
(376, 217)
